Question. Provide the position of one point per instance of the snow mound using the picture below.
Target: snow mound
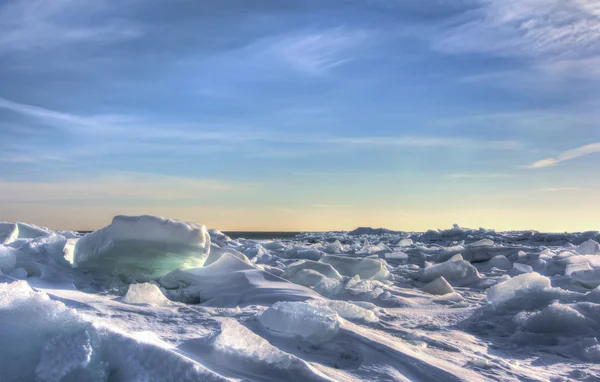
(366, 268)
(322, 268)
(144, 293)
(43, 340)
(11, 232)
(517, 286)
(231, 282)
(314, 324)
(439, 286)
(457, 273)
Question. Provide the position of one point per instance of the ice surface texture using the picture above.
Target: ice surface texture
(149, 298)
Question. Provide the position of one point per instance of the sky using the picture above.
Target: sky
(302, 114)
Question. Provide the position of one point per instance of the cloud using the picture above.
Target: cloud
(318, 52)
(117, 186)
(39, 24)
(557, 37)
(561, 189)
(478, 176)
(567, 155)
(408, 141)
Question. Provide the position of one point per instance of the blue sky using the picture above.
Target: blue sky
(302, 115)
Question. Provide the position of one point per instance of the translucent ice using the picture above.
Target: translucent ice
(517, 286)
(314, 324)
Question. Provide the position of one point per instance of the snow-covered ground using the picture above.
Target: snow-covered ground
(153, 299)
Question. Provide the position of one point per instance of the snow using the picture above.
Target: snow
(517, 286)
(231, 282)
(439, 286)
(149, 298)
(312, 323)
(144, 293)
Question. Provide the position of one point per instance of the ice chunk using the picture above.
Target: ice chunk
(517, 286)
(499, 262)
(329, 287)
(325, 269)
(439, 286)
(396, 256)
(9, 232)
(274, 245)
(144, 293)
(335, 247)
(307, 277)
(587, 278)
(8, 260)
(458, 256)
(482, 243)
(405, 243)
(348, 310)
(366, 268)
(558, 318)
(216, 252)
(238, 340)
(588, 247)
(314, 324)
(574, 267)
(19, 273)
(370, 289)
(301, 252)
(457, 273)
(522, 268)
(140, 248)
(218, 237)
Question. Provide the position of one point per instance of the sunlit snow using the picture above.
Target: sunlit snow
(149, 298)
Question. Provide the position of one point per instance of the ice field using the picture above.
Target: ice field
(154, 299)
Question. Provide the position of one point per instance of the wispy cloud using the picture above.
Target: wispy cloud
(557, 37)
(40, 24)
(412, 141)
(123, 126)
(478, 176)
(561, 189)
(118, 186)
(567, 155)
(318, 52)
